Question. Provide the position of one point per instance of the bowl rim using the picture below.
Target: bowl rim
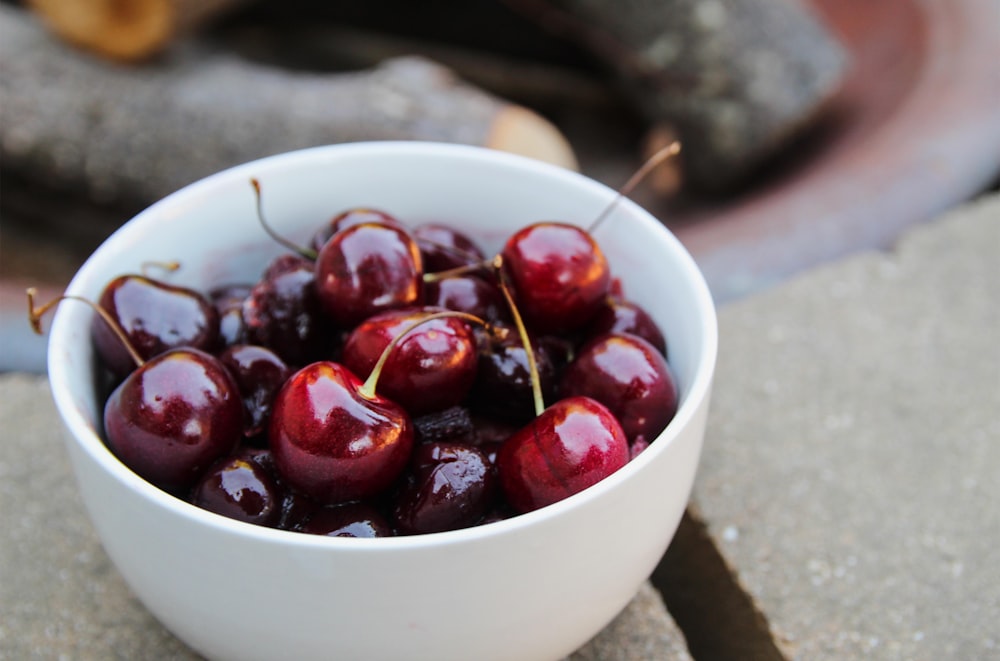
(89, 440)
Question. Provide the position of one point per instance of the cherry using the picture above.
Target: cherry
(239, 488)
(295, 507)
(283, 312)
(258, 373)
(629, 376)
(558, 274)
(432, 368)
(452, 487)
(173, 416)
(572, 445)
(501, 512)
(503, 385)
(353, 519)
(445, 248)
(622, 316)
(368, 268)
(490, 449)
(155, 317)
(467, 293)
(228, 303)
(637, 446)
(334, 441)
(349, 218)
(491, 433)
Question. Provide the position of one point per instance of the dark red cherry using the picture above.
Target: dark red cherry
(637, 446)
(349, 218)
(501, 512)
(491, 450)
(621, 316)
(629, 376)
(239, 488)
(155, 317)
(491, 432)
(333, 443)
(171, 418)
(283, 312)
(452, 487)
(445, 248)
(572, 445)
(259, 373)
(347, 520)
(502, 388)
(432, 367)
(467, 293)
(228, 303)
(558, 274)
(296, 507)
(366, 269)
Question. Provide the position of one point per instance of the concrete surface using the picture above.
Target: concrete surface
(61, 598)
(851, 471)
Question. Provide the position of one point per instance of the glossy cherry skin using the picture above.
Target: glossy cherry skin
(283, 312)
(349, 218)
(347, 520)
(296, 507)
(503, 381)
(332, 443)
(228, 302)
(559, 276)
(445, 248)
(259, 374)
(501, 512)
(430, 369)
(629, 376)
(452, 486)
(366, 269)
(572, 445)
(156, 317)
(239, 488)
(467, 293)
(170, 419)
(621, 316)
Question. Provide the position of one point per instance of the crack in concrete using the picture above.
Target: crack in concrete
(719, 619)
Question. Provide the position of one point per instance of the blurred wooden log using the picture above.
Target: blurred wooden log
(127, 30)
(121, 132)
(327, 45)
(736, 79)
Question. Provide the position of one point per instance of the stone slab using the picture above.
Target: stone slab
(61, 597)
(851, 470)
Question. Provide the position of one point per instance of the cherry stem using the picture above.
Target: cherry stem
(458, 270)
(308, 253)
(522, 331)
(35, 314)
(651, 163)
(367, 389)
(169, 267)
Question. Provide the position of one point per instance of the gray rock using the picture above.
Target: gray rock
(643, 631)
(850, 471)
(62, 597)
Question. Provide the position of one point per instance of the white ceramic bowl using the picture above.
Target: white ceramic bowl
(536, 586)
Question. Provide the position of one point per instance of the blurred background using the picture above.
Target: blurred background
(811, 129)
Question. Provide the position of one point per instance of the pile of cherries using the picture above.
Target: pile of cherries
(385, 380)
